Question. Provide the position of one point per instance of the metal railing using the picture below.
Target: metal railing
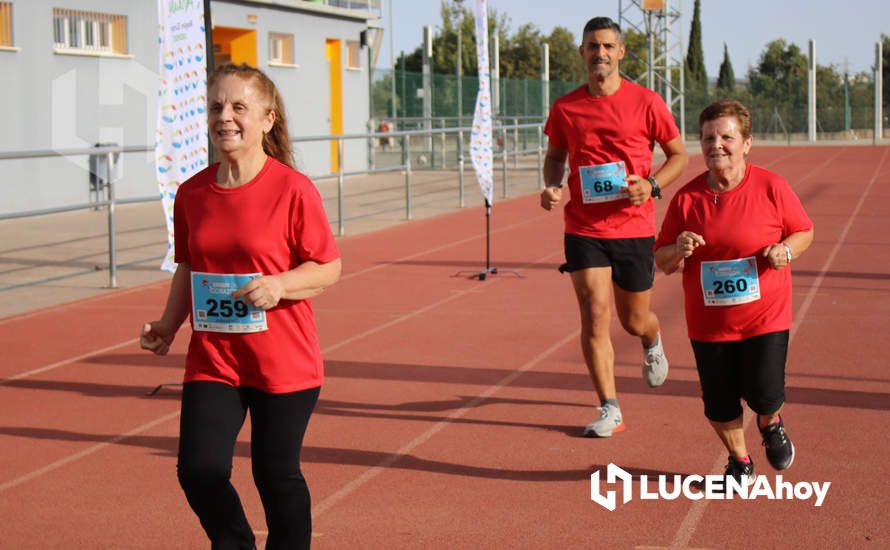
(435, 136)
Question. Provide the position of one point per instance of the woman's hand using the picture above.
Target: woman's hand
(263, 292)
(778, 255)
(156, 337)
(687, 242)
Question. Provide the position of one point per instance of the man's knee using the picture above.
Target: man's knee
(595, 313)
(635, 323)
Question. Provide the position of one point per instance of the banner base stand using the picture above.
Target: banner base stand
(488, 270)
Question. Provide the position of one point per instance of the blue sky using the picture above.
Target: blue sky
(845, 31)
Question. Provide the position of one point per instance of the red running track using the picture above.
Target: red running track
(452, 410)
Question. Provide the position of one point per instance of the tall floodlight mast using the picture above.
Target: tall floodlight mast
(661, 22)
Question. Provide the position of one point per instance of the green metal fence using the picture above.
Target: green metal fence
(839, 115)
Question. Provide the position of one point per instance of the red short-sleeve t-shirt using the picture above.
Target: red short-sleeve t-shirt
(269, 225)
(760, 211)
(623, 126)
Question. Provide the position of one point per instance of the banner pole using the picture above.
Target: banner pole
(211, 66)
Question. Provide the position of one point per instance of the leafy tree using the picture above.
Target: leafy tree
(566, 64)
(636, 54)
(829, 98)
(521, 55)
(456, 17)
(726, 80)
(696, 76)
(781, 74)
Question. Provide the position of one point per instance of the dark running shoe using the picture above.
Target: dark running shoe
(779, 448)
(741, 472)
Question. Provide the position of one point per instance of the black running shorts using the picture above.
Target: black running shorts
(752, 369)
(631, 260)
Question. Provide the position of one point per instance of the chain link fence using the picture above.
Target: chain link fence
(844, 110)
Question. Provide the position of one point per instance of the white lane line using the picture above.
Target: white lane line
(348, 276)
(113, 440)
(373, 472)
(696, 512)
(86, 452)
(68, 361)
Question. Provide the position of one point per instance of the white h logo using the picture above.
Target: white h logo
(613, 474)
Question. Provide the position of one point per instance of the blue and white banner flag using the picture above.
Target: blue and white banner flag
(481, 135)
(181, 147)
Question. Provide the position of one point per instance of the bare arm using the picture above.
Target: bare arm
(157, 336)
(554, 171)
(670, 257)
(676, 162)
(307, 280)
(640, 189)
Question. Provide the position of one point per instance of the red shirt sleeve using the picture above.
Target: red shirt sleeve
(314, 239)
(555, 127)
(794, 217)
(672, 224)
(662, 125)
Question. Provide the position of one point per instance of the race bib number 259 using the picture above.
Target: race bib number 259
(214, 309)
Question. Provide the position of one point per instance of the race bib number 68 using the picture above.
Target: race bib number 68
(603, 182)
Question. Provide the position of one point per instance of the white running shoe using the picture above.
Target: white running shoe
(609, 422)
(655, 364)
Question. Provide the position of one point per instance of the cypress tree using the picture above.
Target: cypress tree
(726, 80)
(696, 77)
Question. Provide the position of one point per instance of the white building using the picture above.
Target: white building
(74, 73)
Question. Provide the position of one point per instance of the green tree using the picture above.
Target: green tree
(829, 98)
(521, 55)
(726, 80)
(566, 64)
(779, 84)
(696, 76)
(636, 47)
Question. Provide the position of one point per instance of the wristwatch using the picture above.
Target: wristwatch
(788, 255)
(656, 190)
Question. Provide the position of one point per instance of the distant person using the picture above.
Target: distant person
(252, 246)
(735, 230)
(384, 127)
(607, 129)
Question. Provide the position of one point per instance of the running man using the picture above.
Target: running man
(607, 129)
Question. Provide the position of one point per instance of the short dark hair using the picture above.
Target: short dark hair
(600, 23)
(727, 107)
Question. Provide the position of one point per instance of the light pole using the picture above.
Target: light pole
(459, 69)
(392, 64)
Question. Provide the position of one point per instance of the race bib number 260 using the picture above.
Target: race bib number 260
(731, 282)
(214, 309)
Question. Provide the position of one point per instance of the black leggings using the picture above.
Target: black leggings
(212, 416)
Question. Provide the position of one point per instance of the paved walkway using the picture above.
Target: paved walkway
(59, 258)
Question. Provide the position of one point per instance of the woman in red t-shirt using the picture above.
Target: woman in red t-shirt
(735, 230)
(252, 246)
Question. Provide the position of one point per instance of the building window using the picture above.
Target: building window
(6, 24)
(352, 54)
(87, 31)
(281, 48)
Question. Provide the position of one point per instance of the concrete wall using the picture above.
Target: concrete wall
(55, 101)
